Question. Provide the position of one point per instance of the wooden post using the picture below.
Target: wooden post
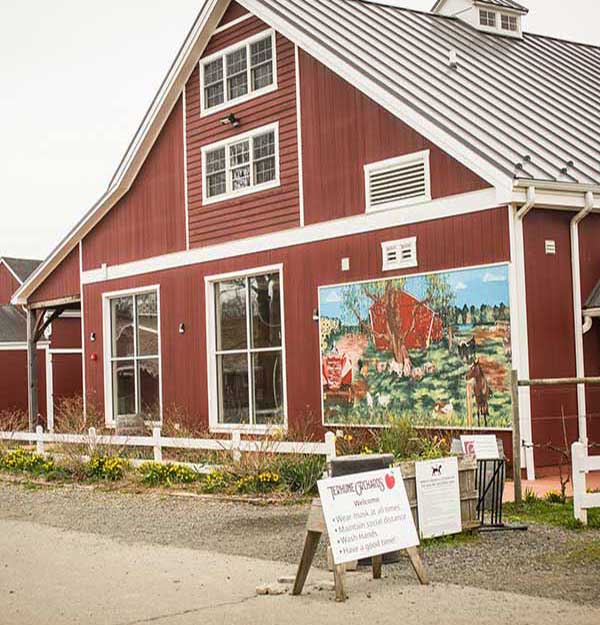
(469, 404)
(32, 370)
(39, 441)
(236, 439)
(157, 446)
(516, 437)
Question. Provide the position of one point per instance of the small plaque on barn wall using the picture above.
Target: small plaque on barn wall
(435, 347)
(438, 497)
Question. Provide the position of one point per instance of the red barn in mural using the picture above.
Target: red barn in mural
(417, 323)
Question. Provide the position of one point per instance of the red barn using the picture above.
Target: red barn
(416, 322)
(291, 142)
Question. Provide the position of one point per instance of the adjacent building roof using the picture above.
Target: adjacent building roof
(593, 301)
(22, 268)
(13, 325)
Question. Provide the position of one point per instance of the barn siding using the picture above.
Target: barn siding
(342, 130)
(234, 10)
(465, 240)
(261, 212)
(150, 219)
(550, 325)
(13, 381)
(8, 285)
(62, 282)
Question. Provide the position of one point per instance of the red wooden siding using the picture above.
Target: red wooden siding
(234, 10)
(261, 212)
(150, 219)
(66, 333)
(342, 130)
(550, 325)
(465, 240)
(13, 381)
(67, 377)
(8, 285)
(62, 282)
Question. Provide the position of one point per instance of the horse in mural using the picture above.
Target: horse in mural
(482, 390)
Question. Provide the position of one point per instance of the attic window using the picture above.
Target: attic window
(399, 254)
(487, 18)
(397, 182)
(509, 22)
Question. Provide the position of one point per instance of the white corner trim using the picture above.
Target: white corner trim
(465, 203)
(235, 22)
(206, 112)
(185, 171)
(299, 134)
(226, 143)
(10, 270)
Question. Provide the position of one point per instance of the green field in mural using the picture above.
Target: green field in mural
(434, 347)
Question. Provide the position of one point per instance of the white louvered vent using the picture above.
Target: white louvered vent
(550, 247)
(398, 181)
(399, 254)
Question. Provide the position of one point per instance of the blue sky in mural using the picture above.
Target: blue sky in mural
(473, 287)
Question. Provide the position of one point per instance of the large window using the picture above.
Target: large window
(242, 165)
(134, 357)
(247, 352)
(240, 72)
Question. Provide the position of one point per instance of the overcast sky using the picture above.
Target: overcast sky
(77, 77)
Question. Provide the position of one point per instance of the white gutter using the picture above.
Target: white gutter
(521, 350)
(578, 313)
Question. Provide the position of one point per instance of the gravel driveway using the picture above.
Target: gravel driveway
(544, 561)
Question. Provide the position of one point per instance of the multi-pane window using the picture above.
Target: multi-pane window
(509, 22)
(487, 18)
(248, 350)
(134, 355)
(241, 165)
(242, 71)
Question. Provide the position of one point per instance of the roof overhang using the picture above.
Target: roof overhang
(504, 9)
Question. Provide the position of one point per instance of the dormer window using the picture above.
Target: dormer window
(487, 18)
(510, 23)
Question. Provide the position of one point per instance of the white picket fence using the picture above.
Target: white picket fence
(582, 465)
(235, 445)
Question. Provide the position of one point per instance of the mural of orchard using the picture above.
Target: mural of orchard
(434, 347)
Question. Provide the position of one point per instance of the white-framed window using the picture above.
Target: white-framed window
(238, 73)
(132, 361)
(487, 18)
(399, 254)
(246, 350)
(509, 22)
(398, 181)
(246, 163)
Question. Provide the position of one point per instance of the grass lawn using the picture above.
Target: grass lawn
(557, 514)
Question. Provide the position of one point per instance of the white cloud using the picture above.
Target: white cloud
(493, 277)
(334, 297)
(460, 286)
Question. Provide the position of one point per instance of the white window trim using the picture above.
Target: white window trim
(211, 347)
(391, 163)
(401, 264)
(276, 182)
(204, 111)
(109, 416)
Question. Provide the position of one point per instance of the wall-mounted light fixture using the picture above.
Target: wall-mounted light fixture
(182, 328)
(230, 120)
(92, 336)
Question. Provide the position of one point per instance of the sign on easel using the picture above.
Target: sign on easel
(482, 446)
(367, 514)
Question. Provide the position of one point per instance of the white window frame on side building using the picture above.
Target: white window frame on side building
(251, 94)
(211, 354)
(227, 144)
(108, 359)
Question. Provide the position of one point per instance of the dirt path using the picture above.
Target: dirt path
(543, 562)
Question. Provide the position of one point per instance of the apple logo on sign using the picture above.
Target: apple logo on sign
(390, 481)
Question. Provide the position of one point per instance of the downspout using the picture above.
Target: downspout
(578, 313)
(521, 308)
(588, 320)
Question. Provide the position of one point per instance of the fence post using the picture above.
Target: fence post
(578, 458)
(156, 435)
(516, 440)
(236, 439)
(39, 439)
(330, 446)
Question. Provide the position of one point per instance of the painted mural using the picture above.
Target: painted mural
(434, 347)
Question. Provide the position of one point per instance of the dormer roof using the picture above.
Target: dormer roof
(498, 4)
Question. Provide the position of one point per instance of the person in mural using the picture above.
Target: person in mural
(408, 345)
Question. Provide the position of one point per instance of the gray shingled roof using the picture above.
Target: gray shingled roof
(13, 325)
(593, 301)
(507, 4)
(22, 267)
(529, 107)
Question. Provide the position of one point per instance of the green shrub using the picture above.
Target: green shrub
(553, 496)
(22, 461)
(108, 468)
(398, 438)
(300, 473)
(263, 482)
(155, 473)
(530, 496)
